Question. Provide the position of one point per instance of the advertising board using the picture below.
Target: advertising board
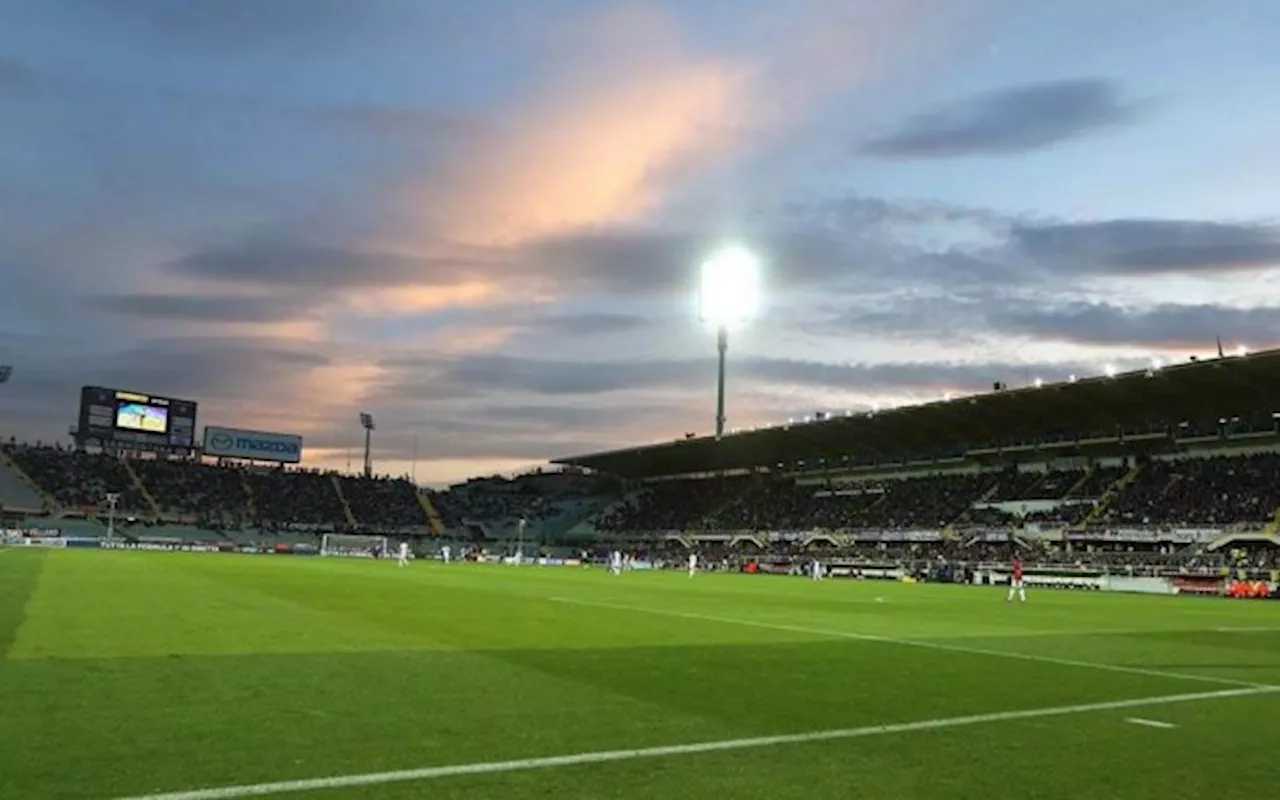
(221, 442)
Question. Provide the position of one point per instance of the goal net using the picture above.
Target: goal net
(345, 544)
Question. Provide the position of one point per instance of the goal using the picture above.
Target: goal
(345, 544)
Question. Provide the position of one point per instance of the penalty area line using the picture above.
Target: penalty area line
(921, 643)
(609, 756)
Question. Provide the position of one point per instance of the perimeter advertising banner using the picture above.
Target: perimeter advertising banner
(284, 448)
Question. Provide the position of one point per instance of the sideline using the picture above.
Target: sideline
(607, 756)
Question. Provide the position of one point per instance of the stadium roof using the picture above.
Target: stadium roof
(1131, 402)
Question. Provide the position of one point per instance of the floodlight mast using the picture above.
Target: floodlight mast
(722, 347)
(366, 422)
(728, 294)
(112, 498)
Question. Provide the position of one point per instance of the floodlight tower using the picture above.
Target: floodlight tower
(728, 294)
(113, 499)
(366, 422)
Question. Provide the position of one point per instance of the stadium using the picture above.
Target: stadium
(570, 266)
(510, 661)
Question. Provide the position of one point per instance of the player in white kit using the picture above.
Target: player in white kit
(615, 563)
(404, 554)
(445, 554)
(693, 564)
(816, 570)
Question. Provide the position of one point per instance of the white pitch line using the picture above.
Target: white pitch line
(928, 645)
(605, 756)
(1151, 723)
(1259, 629)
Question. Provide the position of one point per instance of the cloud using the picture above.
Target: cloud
(600, 323)
(996, 315)
(483, 375)
(1149, 246)
(1164, 326)
(17, 77)
(1008, 121)
(202, 307)
(237, 24)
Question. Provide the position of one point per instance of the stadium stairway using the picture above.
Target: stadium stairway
(1109, 496)
(342, 496)
(251, 501)
(434, 520)
(982, 498)
(1080, 484)
(147, 497)
(19, 492)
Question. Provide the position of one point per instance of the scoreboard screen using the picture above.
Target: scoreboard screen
(131, 417)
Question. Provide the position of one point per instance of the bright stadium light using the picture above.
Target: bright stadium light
(1039, 382)
(729, 288)
(1242, 350)
(1109, 370)
(728, 296)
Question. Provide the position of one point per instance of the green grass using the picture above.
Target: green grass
(132, 673)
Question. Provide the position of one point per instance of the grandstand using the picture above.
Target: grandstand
(1136, 462)
(1121, 461)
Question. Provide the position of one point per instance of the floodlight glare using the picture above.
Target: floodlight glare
(1241, 350)
(1039, 382)
(1109, 370)
(729, 288)
(728, 294)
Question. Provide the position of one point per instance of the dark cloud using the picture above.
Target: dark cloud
(203, 307)
(219, 373)
(1161, 326)
(482, 375)
(16, 77)
(532, 432)
(794, 254)
(238, 24)
(630, 263)
(183, 366)
(275, 262)
(958, 317)
(592, 324)
(1012, 120)
(1149, 246)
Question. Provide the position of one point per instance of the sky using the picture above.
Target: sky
(481, 222)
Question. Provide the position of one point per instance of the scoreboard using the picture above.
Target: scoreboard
(114, 415)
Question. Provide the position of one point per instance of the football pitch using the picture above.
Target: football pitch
(196, 676)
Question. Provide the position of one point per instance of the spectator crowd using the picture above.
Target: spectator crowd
(218, 496)
(1217, 491)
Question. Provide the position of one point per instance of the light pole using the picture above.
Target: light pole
(112, 499)
(728, 294)
(366, 422)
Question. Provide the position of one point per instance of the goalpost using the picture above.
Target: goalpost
(346, 544)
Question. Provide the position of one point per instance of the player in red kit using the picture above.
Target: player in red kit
(1015, 581)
